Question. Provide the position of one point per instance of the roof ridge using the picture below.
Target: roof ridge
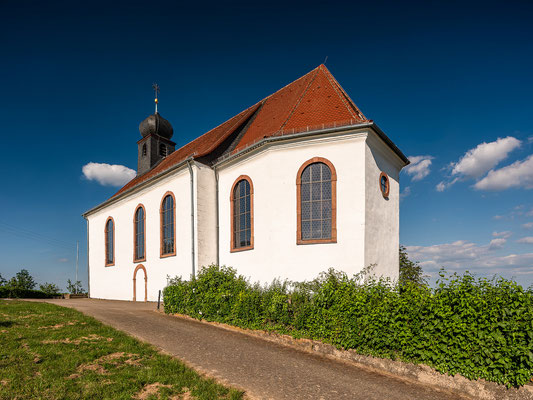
(219, 125)
(301, 97)
(237, 122)
(337, 87)
(262, 101)
(245, 125)
(289, 84)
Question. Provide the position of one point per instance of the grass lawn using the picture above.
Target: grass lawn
(52, 352)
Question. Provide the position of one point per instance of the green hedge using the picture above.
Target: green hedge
(478, 328)
(16, 293)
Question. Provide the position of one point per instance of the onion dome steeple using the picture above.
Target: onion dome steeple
(155, 144)
(155, 124)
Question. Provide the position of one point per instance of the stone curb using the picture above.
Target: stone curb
(414, 373)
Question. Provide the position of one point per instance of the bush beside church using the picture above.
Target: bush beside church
(478, 328)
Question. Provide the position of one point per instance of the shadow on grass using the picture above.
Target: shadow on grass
(5, 324)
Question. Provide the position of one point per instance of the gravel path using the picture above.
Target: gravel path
(263, 369)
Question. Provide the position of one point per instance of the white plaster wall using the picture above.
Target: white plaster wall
(273, 172)
(116, 282)
(382, 227)
(367, 224)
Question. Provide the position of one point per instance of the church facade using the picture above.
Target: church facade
(298, 183)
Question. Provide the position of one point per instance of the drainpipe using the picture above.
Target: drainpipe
(192, 216)
(88, 270)
(217, 215)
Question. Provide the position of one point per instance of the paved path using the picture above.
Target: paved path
(263, 369)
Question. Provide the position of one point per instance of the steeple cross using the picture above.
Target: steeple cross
(155, 86)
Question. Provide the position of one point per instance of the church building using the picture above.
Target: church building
(294, 185)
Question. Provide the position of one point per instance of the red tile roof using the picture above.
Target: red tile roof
(312, 101)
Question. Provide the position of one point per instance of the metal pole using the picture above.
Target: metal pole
(77, 258)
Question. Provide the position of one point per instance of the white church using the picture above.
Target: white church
(294, 185)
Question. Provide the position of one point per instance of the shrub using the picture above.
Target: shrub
(49, 288)
(17, 293)
(74, 287)
(410, 271)
(22, 286)
(22, 280)
(480, 328)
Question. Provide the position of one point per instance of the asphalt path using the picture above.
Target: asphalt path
(263, 369)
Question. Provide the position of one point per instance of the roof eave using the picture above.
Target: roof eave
(390, 143)
(368, 124)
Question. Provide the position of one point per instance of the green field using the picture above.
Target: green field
(51, 352)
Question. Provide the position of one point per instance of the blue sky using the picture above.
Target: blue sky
(441, 79)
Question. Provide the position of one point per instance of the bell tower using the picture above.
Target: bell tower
(155, 144)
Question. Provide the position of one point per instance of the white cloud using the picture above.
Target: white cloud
(63, 260)
(518, 174)
(406, 192)
(419, 167)
(526, 240)
(517, 212)
(530, 213)
(496, 244)
(504, 234)
(448, 253)
(463, 255)
(484, 157)
(478, 161)
(527, 225)
(442, 186)
(108, 175)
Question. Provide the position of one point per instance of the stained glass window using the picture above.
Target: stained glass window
(139, 233)
(316, 202)
(242, 215)
(167, 225)
(109, 242)
(384, 184)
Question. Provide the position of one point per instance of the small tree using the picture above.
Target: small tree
(2, 281)
(74, 287)
(49, 288)
(22, 280)
(410, 271)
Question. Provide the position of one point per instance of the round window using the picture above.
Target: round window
(384, 184)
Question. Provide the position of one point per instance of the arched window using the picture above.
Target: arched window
(144, 150)
(168, 226)
(242, 214)
(139, 230)
(316, 187)
(109, 242)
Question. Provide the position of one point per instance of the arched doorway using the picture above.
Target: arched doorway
(140, 266)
